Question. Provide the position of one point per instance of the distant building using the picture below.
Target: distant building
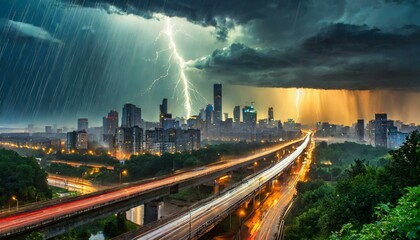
(270, 115)
(168, 123)
(360, 130)
(95, 134)
(128, 141)
(71, 143)
(163, 111)
(226, 116)
(193, 121)
(154, 140)
(381, 129)
(109, 128)
(82, 124)
(82, 140)
(48, 129)
(131, 116)
(217, 97)
(110, 123)
(237, 114)
(209, 114)
(172, 140)
(249, 116)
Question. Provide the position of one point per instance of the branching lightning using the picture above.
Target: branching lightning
(181, 63)
(175, 58)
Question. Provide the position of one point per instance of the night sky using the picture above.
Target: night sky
(60, 60)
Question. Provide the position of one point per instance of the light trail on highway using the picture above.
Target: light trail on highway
(23, 220)
(190, 224)
(73, 184)
(263, 224)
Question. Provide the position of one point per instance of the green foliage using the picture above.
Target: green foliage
(67, 170)
(401, 222)
(356, 203)
(87, 158)
(343, 154)
(116, 226)
(71, 235)
(404, 168)
(308, 207)
(35, 236)
(21, 177)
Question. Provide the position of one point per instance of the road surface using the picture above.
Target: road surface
(73, 184)
(78, 164)
(191, 223)
(18, 221)
(264, 223)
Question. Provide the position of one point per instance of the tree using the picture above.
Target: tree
(357, 168)
(401, 222)
(35, 236)
(21, 177)
(404, 167)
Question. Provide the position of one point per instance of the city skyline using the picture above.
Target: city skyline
(209, 119)
(111, 55)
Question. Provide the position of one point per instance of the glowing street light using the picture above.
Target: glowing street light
(242, 213)
(124, 172)
(17, 202)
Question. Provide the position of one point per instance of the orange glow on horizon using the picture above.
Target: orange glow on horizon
(334, 106)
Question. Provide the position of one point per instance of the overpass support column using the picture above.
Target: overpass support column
(216, 188)
(151, 212)
(254, 202)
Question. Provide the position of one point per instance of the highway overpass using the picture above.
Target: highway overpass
(58, 216)
(197, 221)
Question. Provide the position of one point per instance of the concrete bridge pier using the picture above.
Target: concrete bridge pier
(152, 211)
(216, 188)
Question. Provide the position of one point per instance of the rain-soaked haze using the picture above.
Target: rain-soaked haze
(60, 60)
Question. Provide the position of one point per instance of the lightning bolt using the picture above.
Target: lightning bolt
(175, 57)
(181, 64)
(297, 104)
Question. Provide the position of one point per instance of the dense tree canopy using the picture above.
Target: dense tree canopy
(401, 222)
(21, 177)
(359, 201)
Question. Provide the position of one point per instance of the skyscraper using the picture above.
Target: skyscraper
(237, 114)
(381, 129)
(360, 129)
(270, 115)
(217, 96)
(82, 124)
(109, 128)
(163, 109)
(209, 115)
(249, 115)
(110, 122)
(131, 116)
(82, 140)
(129, 141)
(71, 141)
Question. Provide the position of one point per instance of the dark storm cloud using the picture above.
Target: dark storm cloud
(340, 56)
(223, 14)
(24, 31)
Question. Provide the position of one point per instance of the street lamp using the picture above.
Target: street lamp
(241, 215)
(17, 202)
(124, 172)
